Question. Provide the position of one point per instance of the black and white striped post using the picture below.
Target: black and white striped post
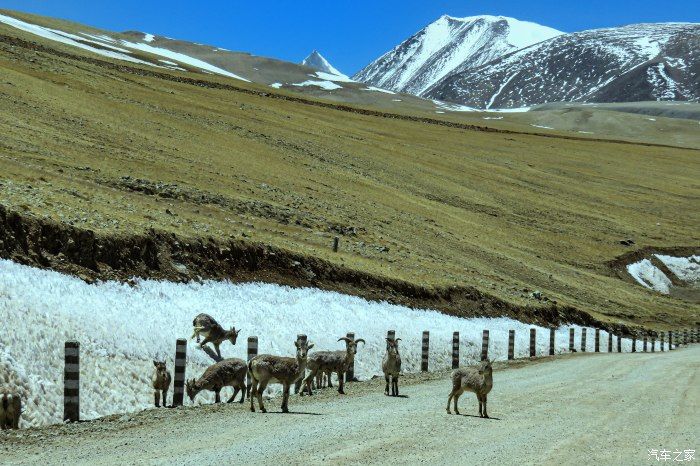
(644, 344)
(551, 341)
(572, 334)
(71, 382)
(653, 343)
(661, 341)
(484, 345)
(619, 343)
(350, 373)
(533, 337)
(670, 340)
(583, 340)
(179, 379)
(301, 338)
(610, 341)
(634, 343)
(425, 347)
(511, 344)
(252, 352)
(597, 340)
(455, 350)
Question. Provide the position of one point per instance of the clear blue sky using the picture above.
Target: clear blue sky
(349, 33)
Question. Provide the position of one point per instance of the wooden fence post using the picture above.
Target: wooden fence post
(572, 333)
(511, 344)
(484, 345)
(336, 242)
(350, 374)
(551, 341)
(252, 352)
(619, 343)
(533, 337)
(179, 378)
(425, 351)
(71, 382)
(301, 338)
(583, 340)
(597, 341)
(455, 350)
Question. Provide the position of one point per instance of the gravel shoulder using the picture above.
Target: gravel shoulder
(605, 408)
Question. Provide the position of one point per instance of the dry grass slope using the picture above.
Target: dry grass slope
(118, 153)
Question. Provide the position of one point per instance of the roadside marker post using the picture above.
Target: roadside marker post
(533, 339)
(484, 345)
(551, 341)
(455, 350)
(583, 340)
(597, 341)
(71, 382)
(572, 334)
(350, 374)
(511, 345)
(425, 351)
(301, 338)
(179, 379)
(252, 352)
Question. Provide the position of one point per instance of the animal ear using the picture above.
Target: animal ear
(311, 346)
(155, 363)
(296, 343)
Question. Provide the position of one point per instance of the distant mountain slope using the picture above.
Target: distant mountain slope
(448, 44)
(633, 63)
(318, 62)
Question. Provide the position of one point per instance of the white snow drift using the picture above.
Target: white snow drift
(686, 269)
(122, 328)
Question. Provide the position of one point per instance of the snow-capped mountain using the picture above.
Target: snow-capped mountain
(447, 44)
(631, 63)
(317, 61)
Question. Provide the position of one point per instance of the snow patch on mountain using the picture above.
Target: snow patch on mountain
(327, 85)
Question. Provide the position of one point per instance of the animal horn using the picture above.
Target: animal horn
(344, 339)
(360, 340)
(398, 339)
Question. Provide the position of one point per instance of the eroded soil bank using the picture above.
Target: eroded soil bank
(159, 255)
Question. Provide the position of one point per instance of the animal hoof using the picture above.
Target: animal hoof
(449, 412)
(263, 410)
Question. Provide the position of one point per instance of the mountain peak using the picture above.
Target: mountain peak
(318, 62)
(448, 44)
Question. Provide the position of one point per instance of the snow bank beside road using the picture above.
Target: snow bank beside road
(122, 328)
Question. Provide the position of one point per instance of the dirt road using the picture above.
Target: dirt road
(607, 408)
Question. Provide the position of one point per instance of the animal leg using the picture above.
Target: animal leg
(341, 382)
(307, 383)
(480, 404)
(243, 390)
(235, 392)
(252, 392)
(285, 397)
(165, 398)
(156, 398)
(217, 396)
(386, 390)
(328, 378)
(486, 415)
(218, 351)
(456, 400)
(449, 399)
(261, 388)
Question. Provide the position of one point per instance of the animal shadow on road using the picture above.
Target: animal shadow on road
(296, 412)
(397, 396)
(479, 417)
